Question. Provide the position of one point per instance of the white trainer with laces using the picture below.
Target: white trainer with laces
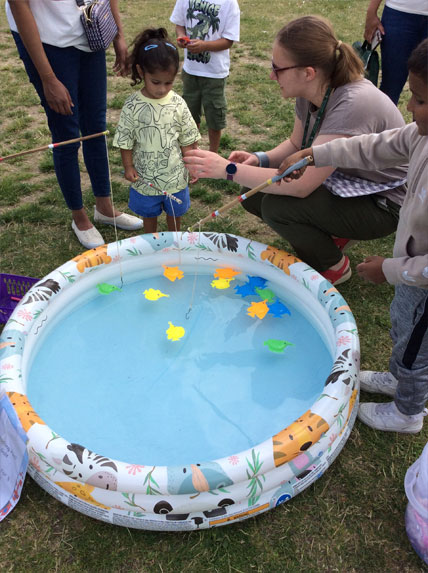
(378, 382)
(387, 417)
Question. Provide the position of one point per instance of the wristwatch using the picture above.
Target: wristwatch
(231, 169)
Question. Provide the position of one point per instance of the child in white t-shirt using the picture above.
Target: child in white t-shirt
(154, 130)
(206, 30)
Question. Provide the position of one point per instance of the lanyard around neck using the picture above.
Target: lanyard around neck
(317, 123)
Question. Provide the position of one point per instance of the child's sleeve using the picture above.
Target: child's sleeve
(124, 137)
(411, 271)
(178, 16)
(369, 151)
(232, 23)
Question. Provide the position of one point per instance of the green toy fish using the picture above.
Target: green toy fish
(266, 294)
(105, 288)
(278, 346)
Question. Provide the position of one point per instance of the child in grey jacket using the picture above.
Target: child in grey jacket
(407, 269)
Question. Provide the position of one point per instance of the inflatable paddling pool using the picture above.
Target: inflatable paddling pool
(181, 381)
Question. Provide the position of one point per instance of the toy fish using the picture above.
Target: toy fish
(175, 332)
(278, 346)
(249, 287)
(153, 294)
(244, 290)
(173, 273)
(221, 283)
(266, 293)
(278, 309)
(259, 309)
(226, 273)
(105, 288)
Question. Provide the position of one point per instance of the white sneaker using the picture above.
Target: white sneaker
(90, 238)
(378, 382)
(387, 417)
(123, 221)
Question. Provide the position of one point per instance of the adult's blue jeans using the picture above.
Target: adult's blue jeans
(84, 75)
(403, 32)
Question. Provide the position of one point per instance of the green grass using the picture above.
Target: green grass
(351, 519)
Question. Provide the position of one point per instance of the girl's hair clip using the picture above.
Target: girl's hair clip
(152, 46)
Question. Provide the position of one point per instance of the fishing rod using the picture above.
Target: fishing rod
(299, 165)
(54, 145)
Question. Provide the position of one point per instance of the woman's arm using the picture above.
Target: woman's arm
(373, 22)
(57, 95)
(210, 165)
(121, 64)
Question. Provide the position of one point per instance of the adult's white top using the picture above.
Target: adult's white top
(58, 22)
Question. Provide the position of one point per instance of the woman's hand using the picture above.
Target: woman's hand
(244, 157)
(371, 269)
(57, 95)
(121, 64)
(373, 23)
(291, 160)
(205, 164)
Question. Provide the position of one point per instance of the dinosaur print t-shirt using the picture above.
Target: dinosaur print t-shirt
(155, 130)
(208, 20)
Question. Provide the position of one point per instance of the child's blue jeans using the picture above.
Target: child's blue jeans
(84, 75)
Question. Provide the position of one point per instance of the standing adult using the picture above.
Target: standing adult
(71, 82)
(318, 213)
(404, 24)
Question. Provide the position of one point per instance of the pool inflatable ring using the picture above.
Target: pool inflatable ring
(202, 494)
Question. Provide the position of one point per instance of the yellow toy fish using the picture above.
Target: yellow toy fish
(175, 332)
(259, 309)
(221, 283)
(226, 273)
(153, 294)
(172, 273)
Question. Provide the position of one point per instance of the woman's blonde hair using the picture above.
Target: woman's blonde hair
(312, 42)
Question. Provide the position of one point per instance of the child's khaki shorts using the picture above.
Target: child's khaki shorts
(208, 94)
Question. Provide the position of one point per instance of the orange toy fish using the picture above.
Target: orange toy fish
(172, 273)
(226, 273)
(259, 309)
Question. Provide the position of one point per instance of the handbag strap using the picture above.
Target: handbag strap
(80, 3)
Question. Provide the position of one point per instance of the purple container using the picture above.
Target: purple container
(12, 287)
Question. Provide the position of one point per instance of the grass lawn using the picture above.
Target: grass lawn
(352, 518)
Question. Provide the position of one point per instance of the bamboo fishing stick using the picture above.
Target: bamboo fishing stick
(53, 145)
(302, 163)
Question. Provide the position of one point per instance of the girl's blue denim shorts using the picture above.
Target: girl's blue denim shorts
(153, 205)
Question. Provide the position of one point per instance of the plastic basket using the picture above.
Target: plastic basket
(12, 287)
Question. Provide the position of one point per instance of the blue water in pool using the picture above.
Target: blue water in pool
(107, 377)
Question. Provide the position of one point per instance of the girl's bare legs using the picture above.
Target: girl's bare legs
(150, 224)
(173, 223)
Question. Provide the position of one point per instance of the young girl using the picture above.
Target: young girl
(155, 129)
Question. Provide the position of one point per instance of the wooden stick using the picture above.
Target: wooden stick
(302, 163)
(53, 145)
